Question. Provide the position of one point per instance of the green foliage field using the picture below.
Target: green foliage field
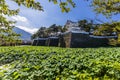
(50, 63)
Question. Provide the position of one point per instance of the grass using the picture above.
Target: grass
(51, 63)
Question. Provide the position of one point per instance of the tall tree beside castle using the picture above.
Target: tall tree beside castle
(85, 25)
(41, 33)
(44, 32)
(7, 36)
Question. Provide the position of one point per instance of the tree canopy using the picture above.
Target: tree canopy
(106, 7)
(85, 25)
(53, 30)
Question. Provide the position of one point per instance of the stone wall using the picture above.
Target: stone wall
(53, 41)
(67, 39)
(73, 40)
(40, 42)
(76, 40)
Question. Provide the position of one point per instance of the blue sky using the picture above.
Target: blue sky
(31, 20)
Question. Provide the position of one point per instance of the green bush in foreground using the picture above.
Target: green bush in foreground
(50, 63)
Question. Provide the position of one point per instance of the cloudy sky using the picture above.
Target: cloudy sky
(31, 20)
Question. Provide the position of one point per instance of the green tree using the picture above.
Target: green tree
(44, 32)
(85, 25)
(55, 29)
(106, 7)
(7, 36)
(108, 29)
(41, 33)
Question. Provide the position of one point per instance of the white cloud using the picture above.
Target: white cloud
(24, 24)
(19, 18)
(30, 30)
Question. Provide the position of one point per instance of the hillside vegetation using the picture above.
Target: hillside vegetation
(50, 63)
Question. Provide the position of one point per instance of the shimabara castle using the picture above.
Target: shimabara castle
(75, 37)
(70, 25)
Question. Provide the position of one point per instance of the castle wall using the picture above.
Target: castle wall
(76, 40)
(53, 41)
(67, 39)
